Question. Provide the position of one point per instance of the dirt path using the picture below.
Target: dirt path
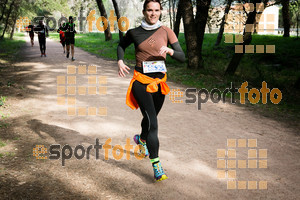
(189, 139)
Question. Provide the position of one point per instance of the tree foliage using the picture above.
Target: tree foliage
(12, 10)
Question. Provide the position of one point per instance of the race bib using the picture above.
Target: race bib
(154, 66)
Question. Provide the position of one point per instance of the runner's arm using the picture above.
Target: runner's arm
(178, 53)
(124, 43)
(64, 27)
(74, 29)
(47, 34)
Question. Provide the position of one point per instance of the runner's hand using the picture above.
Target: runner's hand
(123, 68)
(167, 50)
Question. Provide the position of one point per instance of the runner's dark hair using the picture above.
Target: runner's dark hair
(148, 1)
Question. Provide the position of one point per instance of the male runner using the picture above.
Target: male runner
(42, 32)
(70, 31)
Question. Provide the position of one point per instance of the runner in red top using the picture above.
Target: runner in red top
(30, 29)
(62, 37)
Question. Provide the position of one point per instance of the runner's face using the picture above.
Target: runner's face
(152, 12)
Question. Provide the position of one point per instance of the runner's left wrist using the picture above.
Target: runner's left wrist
(171, 52)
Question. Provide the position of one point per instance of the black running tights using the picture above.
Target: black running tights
(42, 42)
(150, 105)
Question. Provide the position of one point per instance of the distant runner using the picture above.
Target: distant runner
(70, 31)
(148, 86)
(42, 32)
(31, 34)
(62, 37)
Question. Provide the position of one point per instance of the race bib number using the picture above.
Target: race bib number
(154, 66)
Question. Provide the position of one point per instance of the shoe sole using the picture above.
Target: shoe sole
(163, 177)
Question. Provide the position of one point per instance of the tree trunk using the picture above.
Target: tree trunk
(258, 16)
(298, 21)
(13, 29)
(221, 30)
(103, 13)
(14, 18)
(209, 28)
(297, 84)
(81, 21)
(116, 7)
(3, 9)
(286, 17)
(201, 19)
(173, 11)
(170, 14)
(190, 33)
(247, 37)
(257, 22)
(178, 18)
(7, 18)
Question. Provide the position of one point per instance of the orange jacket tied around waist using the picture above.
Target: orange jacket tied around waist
(151, 87)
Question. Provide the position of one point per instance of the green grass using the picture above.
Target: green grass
(285, 60)
(279, 70)
(10, 48)
(7, 154)
(3, 117)
(2, 144)
(94, 43)
(2, 100)
(8, 54)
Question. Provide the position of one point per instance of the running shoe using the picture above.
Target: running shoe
(159, 173)
(45, 55)
(142, 145)
(68, 54)
(41, 55)
(73, 59)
